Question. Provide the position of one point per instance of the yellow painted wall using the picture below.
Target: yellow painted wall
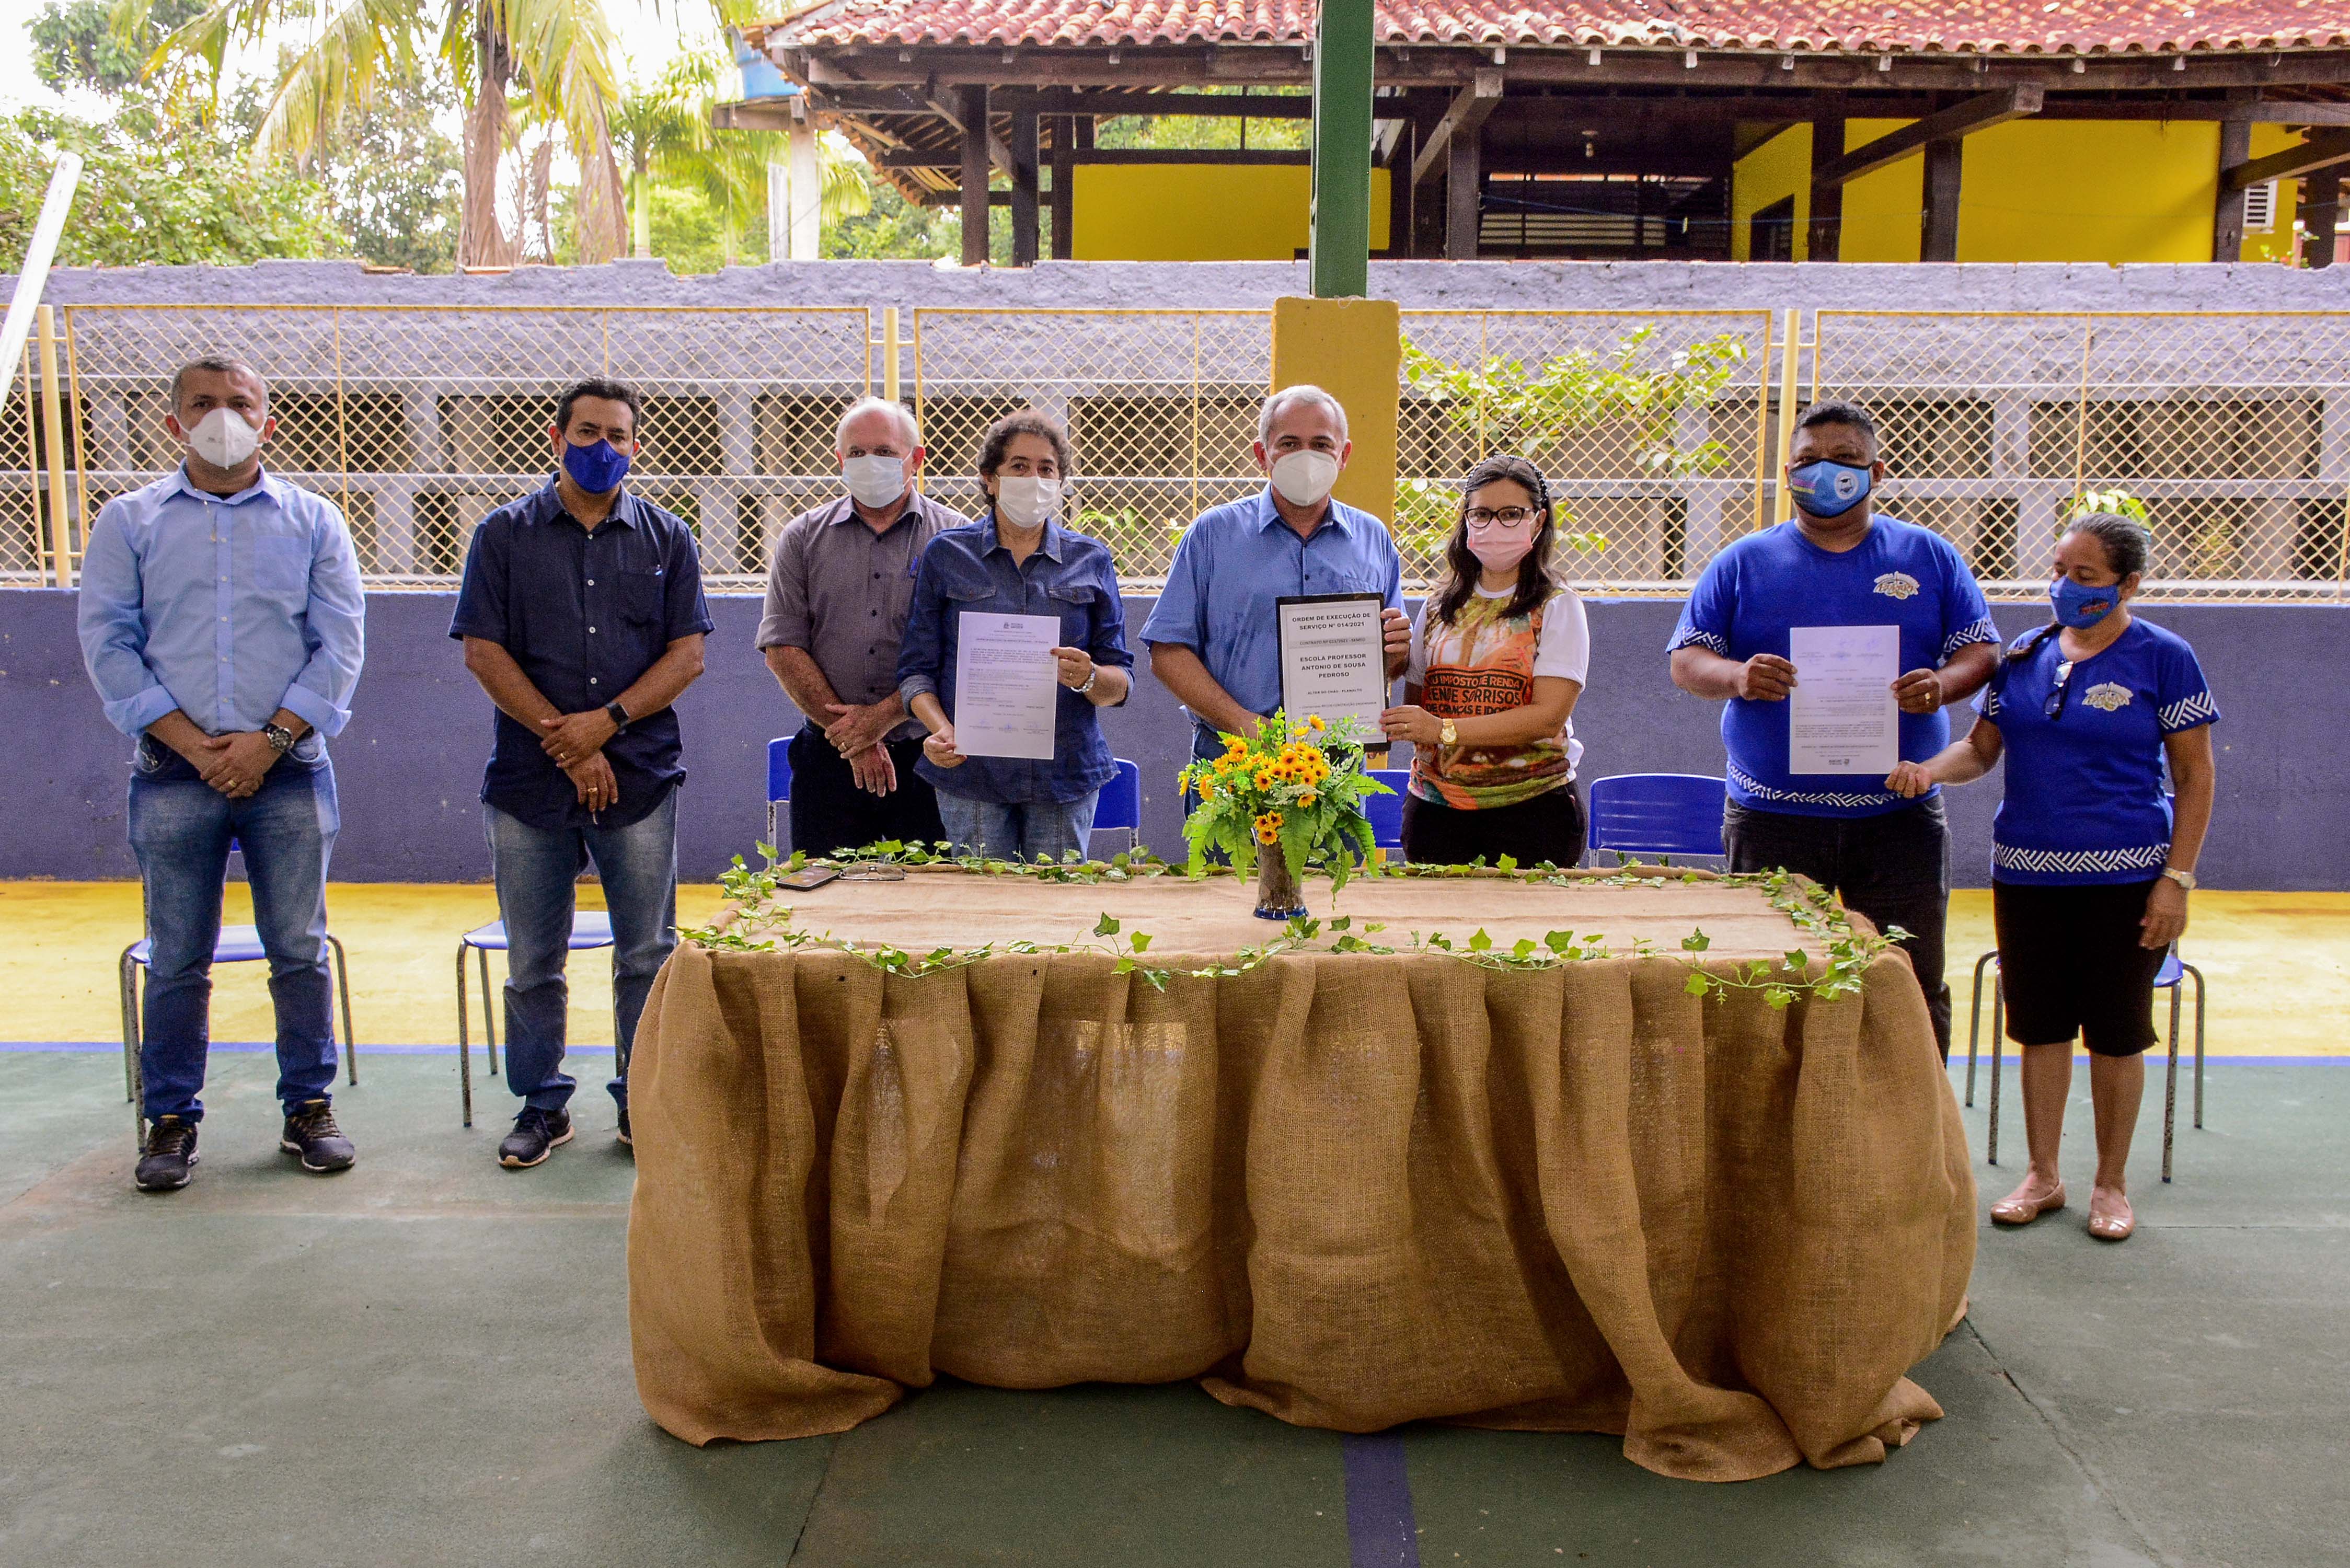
(1200, 212)
(2081, 190)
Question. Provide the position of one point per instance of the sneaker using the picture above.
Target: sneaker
(626, 1141)
(170, 1151)
(310, 1132)
(534, 1137)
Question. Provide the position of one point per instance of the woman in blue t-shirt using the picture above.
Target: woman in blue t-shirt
(2090, 871)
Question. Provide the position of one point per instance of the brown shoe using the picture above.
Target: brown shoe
(2020, 1207)
(2111, 1226)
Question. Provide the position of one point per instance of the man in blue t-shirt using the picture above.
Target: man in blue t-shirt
(1839, 563)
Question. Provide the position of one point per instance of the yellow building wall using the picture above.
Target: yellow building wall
(2066, 190)
(1200, 212)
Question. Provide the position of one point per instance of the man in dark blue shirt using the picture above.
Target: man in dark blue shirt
(583, 619)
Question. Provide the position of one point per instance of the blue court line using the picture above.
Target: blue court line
(114, 1047)
(1379, 1529)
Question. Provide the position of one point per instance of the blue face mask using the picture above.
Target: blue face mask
(2081, 607)
(596, 468)
(1827, 489)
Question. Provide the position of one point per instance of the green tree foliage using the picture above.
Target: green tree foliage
(1185, 133)
(394, 178)
(897, 229)
(76, 45)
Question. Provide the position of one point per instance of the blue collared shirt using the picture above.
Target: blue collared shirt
(1237, 560)
(226, 607)
(585, 614)
(1069, 575)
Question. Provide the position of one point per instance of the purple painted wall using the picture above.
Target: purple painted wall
(409, 764)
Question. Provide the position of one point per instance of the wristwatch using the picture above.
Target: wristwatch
(1449, 736)
(2184, 878)
(280, 738)
(617, 714)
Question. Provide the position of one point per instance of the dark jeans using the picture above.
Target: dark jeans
(1547, 827)
(1892, 868)
(830, 814)
(538, 871)
(179, 829)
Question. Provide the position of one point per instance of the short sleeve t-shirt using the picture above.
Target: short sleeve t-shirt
(1759, 589)
(1486, 661)
(2085, 801)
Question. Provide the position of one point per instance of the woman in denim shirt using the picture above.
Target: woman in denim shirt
(1019, 561)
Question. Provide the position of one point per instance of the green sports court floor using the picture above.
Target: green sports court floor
(426, 1360)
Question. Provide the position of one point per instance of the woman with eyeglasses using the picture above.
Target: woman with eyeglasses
(1498, 659)
(2091, 866)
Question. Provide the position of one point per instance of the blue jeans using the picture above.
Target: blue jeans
(179, 829)
(537, 869)
(1033, 831)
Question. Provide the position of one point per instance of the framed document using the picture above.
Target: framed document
(1842, 717)
(1334, 659)
(1006, 684)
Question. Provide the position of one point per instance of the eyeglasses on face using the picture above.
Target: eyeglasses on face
(1483, 517)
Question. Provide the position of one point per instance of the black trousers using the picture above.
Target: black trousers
(1892, 868)
(1547, 827)
(830, 814)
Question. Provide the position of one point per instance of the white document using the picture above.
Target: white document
(1334, 660)
(1006, 684)
(1842, 717)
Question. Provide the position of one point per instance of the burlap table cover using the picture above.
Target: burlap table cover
(1348, 1190)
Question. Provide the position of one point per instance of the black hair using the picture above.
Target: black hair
(599, 387)
(221, 364)
(1836, 411)
(1536, 583)
(1027, 421)
(2124, 540)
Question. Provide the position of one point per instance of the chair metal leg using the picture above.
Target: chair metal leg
(1974, 1023)
(464, 1047)
(343, 985)
(1998, 1035)
(2170, 1086)
(2197, 973)
(489, 1015)
(133, 1078)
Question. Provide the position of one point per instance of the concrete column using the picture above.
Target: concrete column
(1352, 349)
(807, 233)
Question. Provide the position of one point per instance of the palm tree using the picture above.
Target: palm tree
(555, 56)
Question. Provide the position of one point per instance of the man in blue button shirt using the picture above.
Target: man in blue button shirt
(1215, 634)
(221, 622)
(583, 619)
(1838, 562)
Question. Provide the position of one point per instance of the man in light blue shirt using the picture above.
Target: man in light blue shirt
(1214, 638)
(222, 623)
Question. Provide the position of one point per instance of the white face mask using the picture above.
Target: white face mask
(1026, 500)
(224, 439)
(875, 481)
(1304, 478)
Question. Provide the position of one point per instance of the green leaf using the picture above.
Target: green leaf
(1107, 926)
(1139, 941)
(1697, 941)
(1507, 863)
(1524, 949)
(1698, 983)
(1480, 942)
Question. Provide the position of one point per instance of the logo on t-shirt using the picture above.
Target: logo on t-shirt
(1897, 584)
(2106, 698)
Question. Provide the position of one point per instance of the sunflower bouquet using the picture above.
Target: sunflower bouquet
(1294, 794)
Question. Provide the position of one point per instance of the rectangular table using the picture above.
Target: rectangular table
(1348, 1188)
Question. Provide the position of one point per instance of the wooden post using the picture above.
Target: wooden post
(1024, 182)
(1065, 209)
(1945, 172)
(2321, 213)
(2228, 209)
(1463, 178)
(1825, 240)
(974, 107)
(52, 415)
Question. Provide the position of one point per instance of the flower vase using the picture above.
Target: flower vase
(1277, 894)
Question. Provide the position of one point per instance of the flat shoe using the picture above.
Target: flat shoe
(2112, 1226)
(2010, 1211)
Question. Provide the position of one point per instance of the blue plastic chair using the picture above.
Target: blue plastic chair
(590, 929)
(1658, 814)
(779, 787)
(2168, 978)
(235, 944)
(1385, 811)
(1120, 807)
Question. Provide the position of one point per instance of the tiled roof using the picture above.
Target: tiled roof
(1906, 26)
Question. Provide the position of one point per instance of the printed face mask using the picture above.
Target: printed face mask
(874, 481)
(1026, 500)
(1304, 478)
(1828, 489)
(223, 437)
(2081, 607)
(596, 467)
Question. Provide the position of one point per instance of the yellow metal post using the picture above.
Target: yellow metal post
(1789, 325)
(889, 341)
(52, 415)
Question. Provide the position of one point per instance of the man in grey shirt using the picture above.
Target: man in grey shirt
(836, 603)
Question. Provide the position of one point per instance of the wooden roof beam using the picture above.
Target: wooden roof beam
(998, 155)
(1959, 119)
(1468, 112)
(2317, 153)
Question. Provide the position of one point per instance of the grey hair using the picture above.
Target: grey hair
(866, 406)
(2124, 540)
(219, 364)
(1304, 392)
